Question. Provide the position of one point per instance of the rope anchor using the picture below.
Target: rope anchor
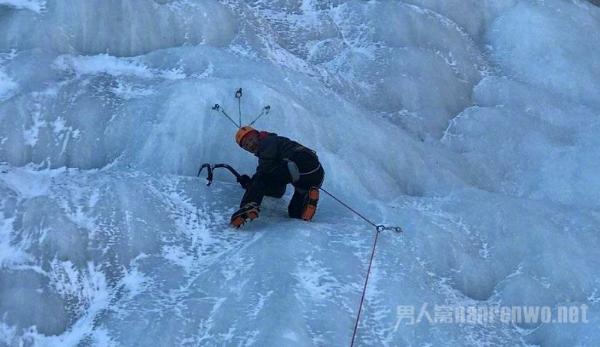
(382, 227)
(238, 95)
(378, 228)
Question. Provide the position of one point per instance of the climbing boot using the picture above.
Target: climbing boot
(248, 212)
(310, 206)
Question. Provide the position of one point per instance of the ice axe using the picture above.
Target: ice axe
(210, 169)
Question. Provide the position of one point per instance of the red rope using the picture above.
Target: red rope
(362, 298)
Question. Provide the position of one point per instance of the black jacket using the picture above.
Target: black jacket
(275, 150)
(272, 174)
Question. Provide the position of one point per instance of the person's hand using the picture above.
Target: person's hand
(244, 181)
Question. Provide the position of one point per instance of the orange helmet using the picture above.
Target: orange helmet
(242, 132)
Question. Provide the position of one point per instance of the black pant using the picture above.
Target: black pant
(275, 183)
(302, 186)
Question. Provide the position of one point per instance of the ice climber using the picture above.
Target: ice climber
(281, 161)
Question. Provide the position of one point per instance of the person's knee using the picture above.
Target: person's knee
(276, 191)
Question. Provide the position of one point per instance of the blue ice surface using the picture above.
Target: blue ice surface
(471, 124)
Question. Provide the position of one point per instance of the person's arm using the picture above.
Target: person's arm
(267, 157)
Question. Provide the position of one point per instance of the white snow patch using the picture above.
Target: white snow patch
(29, 184)
(7, 86)
(172, 74)
(32, 5)
(314, 278)
(134, 282)
(290, 335)
(9, 255)
(91, 289)
(102, 63)
(114, 66)
(178, 256)
(31, 134)
(129, 91)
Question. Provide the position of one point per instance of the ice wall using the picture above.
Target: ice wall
(532, 127)
(89, 111)
(120, 28)
(471, 123)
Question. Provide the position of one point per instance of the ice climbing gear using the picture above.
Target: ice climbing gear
(378, 228)
(210, 169)
(218, 108)
(244, 181)
(248, 212)
(238, 95)
(265, 110)
(209, 178)
(364, 290)
(242, 132)
(310, 207)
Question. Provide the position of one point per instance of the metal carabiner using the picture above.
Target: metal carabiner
(382, 227)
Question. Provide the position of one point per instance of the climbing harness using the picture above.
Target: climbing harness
(238, 95)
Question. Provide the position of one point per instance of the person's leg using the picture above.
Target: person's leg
(276, 182)
(313, 182)
(275, 190)
(273, 185)
(297, 203)
(306, 196)
(254, 193)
